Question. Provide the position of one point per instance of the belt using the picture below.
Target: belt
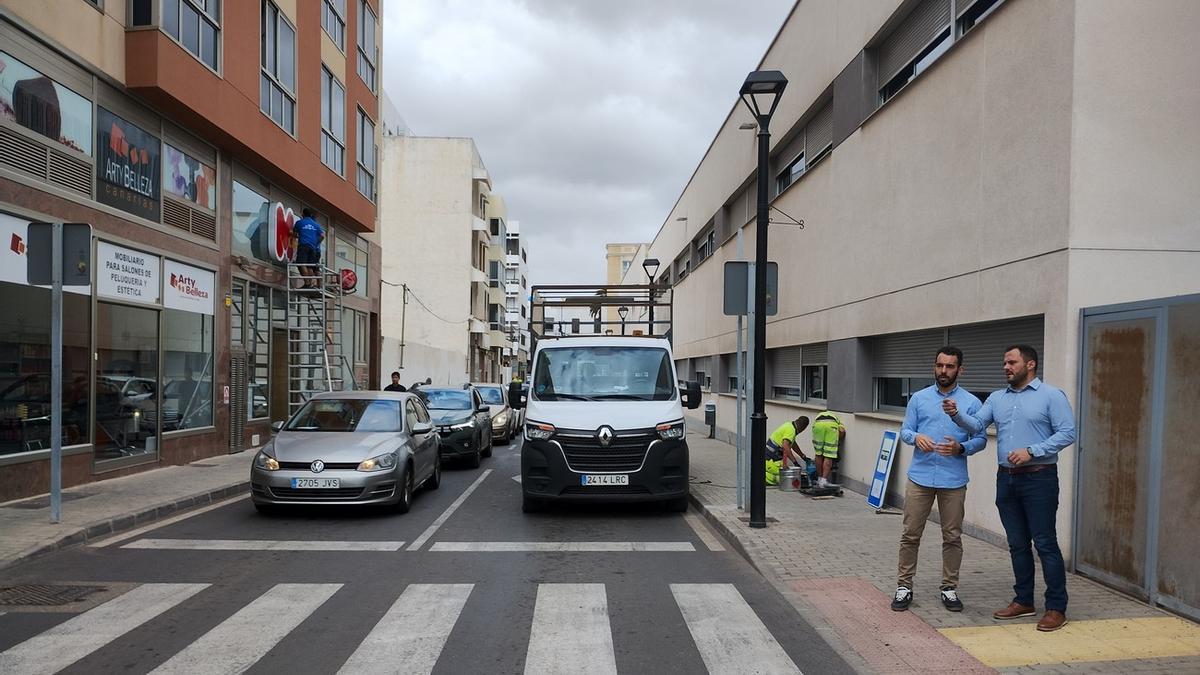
(1028, 468)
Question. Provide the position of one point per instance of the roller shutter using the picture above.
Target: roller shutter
(906, 354)
(816, 354)
(785, 364)
(983, 346)
(926, 21)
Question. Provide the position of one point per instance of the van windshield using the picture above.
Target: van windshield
(603, 373)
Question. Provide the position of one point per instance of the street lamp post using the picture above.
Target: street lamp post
(622, 312)
(761, 93)
(650, 265)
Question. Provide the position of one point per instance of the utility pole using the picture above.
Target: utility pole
(403, 317)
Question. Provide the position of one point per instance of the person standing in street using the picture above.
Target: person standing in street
(1034, 423)
(309, 235)
(395, 385)
(938, 471)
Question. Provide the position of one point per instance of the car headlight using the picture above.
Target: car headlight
(265, 461)
(535, 431)
(501, 419)
(378, 463)
(669, 431)
(463, 425)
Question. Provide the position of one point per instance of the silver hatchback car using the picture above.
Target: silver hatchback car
(354, 447)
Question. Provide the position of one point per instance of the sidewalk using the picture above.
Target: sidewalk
(99, 509)
(835, 559)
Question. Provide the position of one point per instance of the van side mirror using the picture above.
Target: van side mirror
(691, 396)
(516, 395)
(276, 427)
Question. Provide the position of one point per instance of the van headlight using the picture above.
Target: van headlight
(669, 431)
(379, 463)
(536, 431)
(264, 459)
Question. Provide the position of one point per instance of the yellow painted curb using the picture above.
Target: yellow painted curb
(1021, 644)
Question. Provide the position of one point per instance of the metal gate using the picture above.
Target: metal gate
(1137, 522)
(238, 392)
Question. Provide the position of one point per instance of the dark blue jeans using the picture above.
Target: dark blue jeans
(1028, 504)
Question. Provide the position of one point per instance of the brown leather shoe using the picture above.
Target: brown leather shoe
(1052, 620)
(1014, 610)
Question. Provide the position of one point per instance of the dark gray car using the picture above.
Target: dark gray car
(353, 447)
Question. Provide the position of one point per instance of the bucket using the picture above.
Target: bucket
(789, 479)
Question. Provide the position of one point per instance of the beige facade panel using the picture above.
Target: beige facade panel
(95, 36)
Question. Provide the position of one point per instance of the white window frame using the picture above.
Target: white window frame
(363, 143)
(333, 140)
(269, 76)
(368, 54)
(333, 22)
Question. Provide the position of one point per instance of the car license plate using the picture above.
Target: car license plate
(316, 483)
(604, 479)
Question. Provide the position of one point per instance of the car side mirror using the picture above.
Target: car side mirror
(516, 395)
(422, 428)
(691, 396)
(483, 407)
(277, 427)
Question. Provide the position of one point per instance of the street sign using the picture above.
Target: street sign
(76, 254)
(737, 284)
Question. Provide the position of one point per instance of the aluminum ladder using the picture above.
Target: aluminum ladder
(314, 322)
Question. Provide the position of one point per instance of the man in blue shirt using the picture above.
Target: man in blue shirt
(309, 235)
(1033, 424)
(938, 471)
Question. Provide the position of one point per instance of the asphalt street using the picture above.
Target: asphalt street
(463, 583)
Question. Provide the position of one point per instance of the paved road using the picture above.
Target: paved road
(480, 588)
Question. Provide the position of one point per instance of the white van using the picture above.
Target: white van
(604, 421)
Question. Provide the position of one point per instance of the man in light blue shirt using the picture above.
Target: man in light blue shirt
(938, 471)
(1034, 423)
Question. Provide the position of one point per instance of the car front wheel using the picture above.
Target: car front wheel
(406, 494)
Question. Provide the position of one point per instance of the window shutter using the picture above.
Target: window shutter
(785, 364)
(820, 131)
(983, 347)
(926, 21)
(962, 6)
(788, 151)
(816, 354)
(906, 354)
(739, 213)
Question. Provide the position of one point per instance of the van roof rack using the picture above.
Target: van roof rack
(590, 310)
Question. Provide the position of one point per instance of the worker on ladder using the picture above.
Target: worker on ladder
(309, 235)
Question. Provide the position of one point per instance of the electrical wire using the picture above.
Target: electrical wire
(414, 296)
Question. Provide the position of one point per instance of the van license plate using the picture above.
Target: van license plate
(604, 479)
(316, 483)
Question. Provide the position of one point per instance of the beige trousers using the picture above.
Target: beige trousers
(918, 502)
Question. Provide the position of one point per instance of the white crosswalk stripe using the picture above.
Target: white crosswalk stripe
(728, 633)
(410, 637)
(75, 638)
(570, 632)
(241, 640)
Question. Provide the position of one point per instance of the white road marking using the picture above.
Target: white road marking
(561, 546)
(162, 523)
(441, 520)
(411, 636)
(240, 641)
(66, 643)
(263, 545)
(727, 632)
(517, 478)
(570, 632)
(702, 531)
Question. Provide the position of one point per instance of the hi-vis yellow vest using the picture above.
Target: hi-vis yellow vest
(825, 432)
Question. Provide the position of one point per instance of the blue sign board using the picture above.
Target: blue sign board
(883, 469)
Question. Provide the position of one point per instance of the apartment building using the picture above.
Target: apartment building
(977, 173)
(443, 233)
(516, 299)
(190, 135)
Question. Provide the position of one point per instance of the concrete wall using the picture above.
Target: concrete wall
(95, 36)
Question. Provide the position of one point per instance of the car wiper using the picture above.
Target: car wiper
(572, 397)
(623, 397)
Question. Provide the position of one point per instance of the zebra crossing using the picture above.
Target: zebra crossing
(570, 630)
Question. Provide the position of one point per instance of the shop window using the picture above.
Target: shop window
(190, 191)
(25, 368)
(127, 406)
(258, 349)
(249, 223)
(43, 106)
(237, 313)
(354, 255)
(187, 370)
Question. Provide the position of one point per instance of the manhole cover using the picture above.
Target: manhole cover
(45, 595)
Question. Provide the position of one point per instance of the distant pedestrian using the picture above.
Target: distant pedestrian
(309, 235)
(395, 385)
(827, 435)
(782, 446)
(1034, 424)
(938, 471)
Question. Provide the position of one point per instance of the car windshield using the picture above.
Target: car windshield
(447, 399)
(603, 373)
(492, 395)
(359, 415)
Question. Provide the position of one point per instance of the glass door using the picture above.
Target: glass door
(127, 383)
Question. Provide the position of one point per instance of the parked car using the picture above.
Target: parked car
(504, 418)
(349, 447)
(463, 421)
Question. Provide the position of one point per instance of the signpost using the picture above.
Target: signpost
(883, 470)
(63, 250)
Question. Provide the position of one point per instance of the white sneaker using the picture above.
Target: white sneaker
(903, 598)
(821, 483)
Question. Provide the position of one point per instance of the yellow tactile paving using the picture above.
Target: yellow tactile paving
(1021, 644)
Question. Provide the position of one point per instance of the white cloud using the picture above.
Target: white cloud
(590, 114)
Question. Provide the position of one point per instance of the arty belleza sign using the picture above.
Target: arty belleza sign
(126, 274)
(188, 288)
(127, 166)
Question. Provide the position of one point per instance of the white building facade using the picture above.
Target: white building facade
(516, 299)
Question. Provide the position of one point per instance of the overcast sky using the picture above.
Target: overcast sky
(590, 114)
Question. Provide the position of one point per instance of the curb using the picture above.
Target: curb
(103, 528)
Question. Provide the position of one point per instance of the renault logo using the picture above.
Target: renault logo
(317, 466)
(605, 435)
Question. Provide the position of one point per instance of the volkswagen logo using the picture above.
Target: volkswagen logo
(605, 435)
(317, 466)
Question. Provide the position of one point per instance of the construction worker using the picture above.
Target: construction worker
(827, 435)
(782, 445)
